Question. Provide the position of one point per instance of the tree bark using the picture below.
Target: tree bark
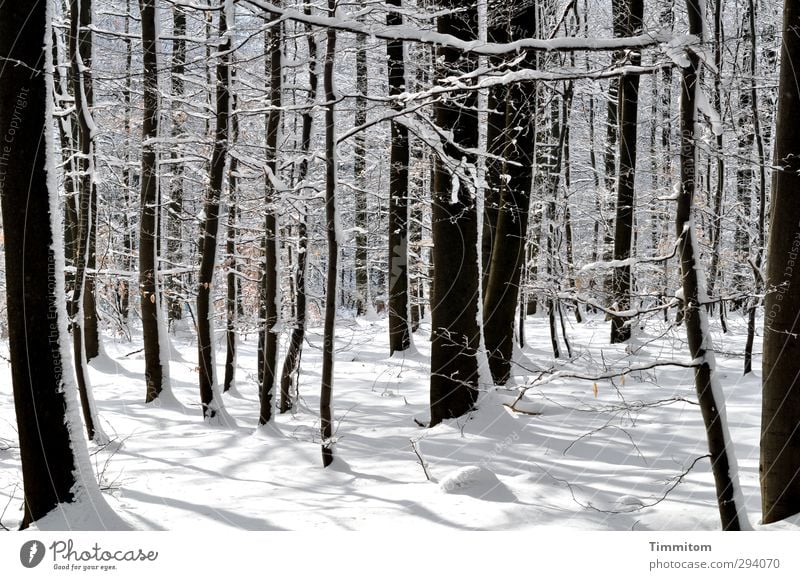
(360, 175)
(399, 314)
(33, 290)
(510, 233)
(148, 284)
(291, 364)
(623, 223)
(231, 263)
(80, 52)
(269, 292)
(695, 316)
(208, 395)
(762, 196)
(173, 283)
(455, 326)
(719, 186)
(124, 286)
(780, 438)
(326, 390)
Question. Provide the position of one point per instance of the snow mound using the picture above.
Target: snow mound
(478, 482)
(630, 501)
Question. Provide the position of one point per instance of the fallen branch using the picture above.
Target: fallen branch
(677, 481)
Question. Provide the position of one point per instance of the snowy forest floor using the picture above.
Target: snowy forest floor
(599, 455)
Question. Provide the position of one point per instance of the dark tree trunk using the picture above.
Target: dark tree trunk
(124, 287)
(148, 286)
(762, 195)
(722, 463)
(623, 223)
(326, 390)
(231, 264)
(33, 292)
(399, 323)
(780, 438)
(360, 174)
(719, 186)
(291, 365)
(87, 343)
(80, 49)
(173, 283)
(208, 392)
(269, 291)
(456, 330)
(508, 249)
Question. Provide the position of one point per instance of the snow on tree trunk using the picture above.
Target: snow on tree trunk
(213, 408)
(58, 479)
(709, 391)
(326, 390)
(268, 339)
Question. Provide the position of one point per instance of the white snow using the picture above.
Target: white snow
(586, 462)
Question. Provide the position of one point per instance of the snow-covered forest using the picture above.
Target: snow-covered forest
(387, 264)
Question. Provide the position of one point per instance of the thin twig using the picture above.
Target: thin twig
(8, 503)
(421, 460)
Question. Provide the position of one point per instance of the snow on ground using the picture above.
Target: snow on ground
(604, 455)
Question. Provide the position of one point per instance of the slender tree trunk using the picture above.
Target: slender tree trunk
(360, 174)
(623, 223)
(269, 290)
(709, 391)
(34, 296)
(455, 328)
(326, 390)
(83, 297)
(291, 364)
(68, 135)
(399, 314)
(209, 399)
(148, 286)
(566, 111)
(612, 136)
(173, 282)
(780, 438)
(744, 174)
(232, 263)
(762, 196)
(124, 290)
(80, 48)
(719, 186)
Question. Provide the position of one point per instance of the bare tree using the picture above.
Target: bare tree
(291, 364)
(511, 227)
(631, 14)
(455, 327)
(326, 390)
(399, 313)
(42, 390)
(148, 283)
(780, 446)
(209, 396)
(709, 392)
(268, 337)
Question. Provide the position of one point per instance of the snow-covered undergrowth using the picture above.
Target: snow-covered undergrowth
(613, 454)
